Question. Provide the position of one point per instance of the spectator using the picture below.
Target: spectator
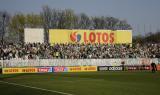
(78, 51)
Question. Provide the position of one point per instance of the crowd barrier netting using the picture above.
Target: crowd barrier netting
(76, 62)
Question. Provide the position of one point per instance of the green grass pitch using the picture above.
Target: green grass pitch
(84, 83)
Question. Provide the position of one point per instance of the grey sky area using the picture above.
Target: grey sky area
(143, 15)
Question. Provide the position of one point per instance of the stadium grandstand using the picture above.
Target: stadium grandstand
(78, 51)
(61, 52)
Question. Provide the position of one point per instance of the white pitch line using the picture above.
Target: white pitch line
(36, 88)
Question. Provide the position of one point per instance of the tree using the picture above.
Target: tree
(66, 20)
(46, 15)
(149, 38)
(4, 22)
(33, 21)
(60, 19)
(99, 22)
(85, 22)
(55, 18)
(17, 25)
(123, 25)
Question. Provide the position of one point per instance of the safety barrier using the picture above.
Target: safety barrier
(76, 62)
(49, 69)
(73, 69)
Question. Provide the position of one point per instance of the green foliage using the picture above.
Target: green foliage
(33, 21)
(67, 19)
(59, 19)
(149, 38)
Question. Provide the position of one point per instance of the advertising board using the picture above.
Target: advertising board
(60, 69)
(138, 67)
(19, 70)
(34, 35)
(82, 69)
(110, 68)
(90, 36)
(44, 69)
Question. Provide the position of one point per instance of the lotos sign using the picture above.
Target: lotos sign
(90, 36)
(74, 37)
(93, 37)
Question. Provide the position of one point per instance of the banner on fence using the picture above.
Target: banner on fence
(110, 68)
(44, 69)
(143, 67)
(60, 69)
(19, 70)
(82, 69)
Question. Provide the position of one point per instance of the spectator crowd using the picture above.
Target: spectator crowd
(78, 51)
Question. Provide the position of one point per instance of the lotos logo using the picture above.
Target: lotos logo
(75, 37)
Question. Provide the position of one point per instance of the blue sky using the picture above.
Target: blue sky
(143, 15)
